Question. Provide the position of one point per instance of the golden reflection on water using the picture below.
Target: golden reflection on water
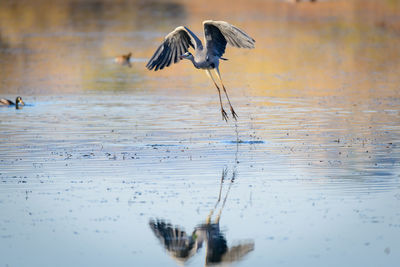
(316, 49)
(346, 49)
(328, 48)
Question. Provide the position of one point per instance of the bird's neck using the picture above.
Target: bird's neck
(194, 62)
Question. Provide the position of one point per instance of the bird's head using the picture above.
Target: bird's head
(18, 101)
(187, 55)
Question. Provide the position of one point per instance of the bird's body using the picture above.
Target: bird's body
(17, 104)
(124, 59)
(217, 35)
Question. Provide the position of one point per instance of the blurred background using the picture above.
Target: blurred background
(320, 48)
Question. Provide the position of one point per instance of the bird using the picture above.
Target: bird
(124, 60)
(182, 246)
(17, 104)
(217, 34)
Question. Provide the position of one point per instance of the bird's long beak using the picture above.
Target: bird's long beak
(181, 57)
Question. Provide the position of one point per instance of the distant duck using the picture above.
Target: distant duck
(124, 59)
(18, 102)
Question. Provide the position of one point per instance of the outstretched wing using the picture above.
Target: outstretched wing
(238, 252)
(175, 240)
(175, 44)
(219, 33)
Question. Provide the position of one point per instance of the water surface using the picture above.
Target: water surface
(106, 162)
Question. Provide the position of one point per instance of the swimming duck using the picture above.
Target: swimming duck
(17, 104)
(124, 59)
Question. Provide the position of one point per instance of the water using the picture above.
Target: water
(101, 153)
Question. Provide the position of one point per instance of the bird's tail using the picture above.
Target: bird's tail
(223, 58)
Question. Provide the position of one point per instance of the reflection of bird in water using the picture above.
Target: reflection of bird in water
(217, 35)
(182, 246)
(177, 243)
(124, 59)
(18, 102)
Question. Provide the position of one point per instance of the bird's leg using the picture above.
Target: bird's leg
(226, 196)
(208, 219)
(226, 93)
(224, 173)
(224, 115)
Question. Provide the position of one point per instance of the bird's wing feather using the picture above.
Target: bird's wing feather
(6, 102)
(176, 43)
(174, 239)
(238, 252)
(219, 33)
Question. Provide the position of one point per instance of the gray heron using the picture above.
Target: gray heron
(217, 34)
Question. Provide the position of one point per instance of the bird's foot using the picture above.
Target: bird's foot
(224, 115)
(234, 115)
